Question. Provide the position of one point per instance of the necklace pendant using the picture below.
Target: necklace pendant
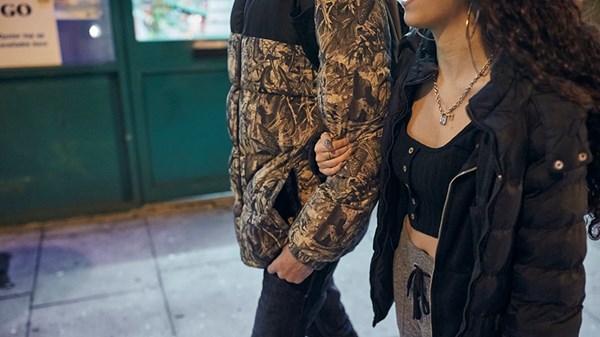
(444, 119)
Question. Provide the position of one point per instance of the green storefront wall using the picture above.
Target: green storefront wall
(148, 127)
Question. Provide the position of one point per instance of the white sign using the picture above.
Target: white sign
(28, 34)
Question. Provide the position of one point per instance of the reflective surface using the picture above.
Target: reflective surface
(84, 29)
(167, 20)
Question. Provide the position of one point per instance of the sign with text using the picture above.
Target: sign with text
(28, 34)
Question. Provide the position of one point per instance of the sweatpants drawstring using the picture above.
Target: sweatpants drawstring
(416, 283)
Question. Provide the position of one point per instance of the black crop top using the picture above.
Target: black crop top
(427, 172)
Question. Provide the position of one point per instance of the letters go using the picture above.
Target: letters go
(9, 10)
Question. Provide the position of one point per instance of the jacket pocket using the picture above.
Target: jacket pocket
(568, 150)
(263, 230)
(287, 204)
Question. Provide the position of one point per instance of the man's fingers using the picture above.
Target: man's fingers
(288, 268)
(297, 280)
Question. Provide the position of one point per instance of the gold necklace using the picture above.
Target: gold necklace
(449, 115)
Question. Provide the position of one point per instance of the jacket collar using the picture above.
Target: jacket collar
(425, 64)
(503, 77)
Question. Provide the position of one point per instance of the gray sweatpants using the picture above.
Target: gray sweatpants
(406, 257)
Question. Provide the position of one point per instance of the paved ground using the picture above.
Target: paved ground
(170, 273)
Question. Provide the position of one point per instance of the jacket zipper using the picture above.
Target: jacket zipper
(463, 173)
(487, 130)
(448, 195)
(376, 247)
(492, 200)
(497, 166)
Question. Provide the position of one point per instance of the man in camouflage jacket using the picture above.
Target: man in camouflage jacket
(286, 220)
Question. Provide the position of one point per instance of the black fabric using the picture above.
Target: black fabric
(236, 21)
(332, 320)
(312, 307)
(302, 17)
(510, 263)
(276, 27)
(593, 124)
(287, 203)
(426, 172)
(5, 282)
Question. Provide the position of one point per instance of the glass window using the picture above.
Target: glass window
(84, 28)
(168, 20)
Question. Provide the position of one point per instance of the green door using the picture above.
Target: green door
(178, 95)
(62, 123)
(126, 117)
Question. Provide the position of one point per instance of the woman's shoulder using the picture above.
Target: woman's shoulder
(558, 116)
(562, 124)
(542, 105)
(554, 108)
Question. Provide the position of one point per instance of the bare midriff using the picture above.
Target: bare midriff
(424, 242)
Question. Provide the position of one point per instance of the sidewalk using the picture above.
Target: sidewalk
(170, 273)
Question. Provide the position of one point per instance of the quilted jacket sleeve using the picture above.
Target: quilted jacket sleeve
(353, 87)
(548, 278)
(232, 104)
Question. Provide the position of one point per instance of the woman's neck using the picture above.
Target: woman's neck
(459, 57)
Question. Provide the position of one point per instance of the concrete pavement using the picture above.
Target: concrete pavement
(172, 272)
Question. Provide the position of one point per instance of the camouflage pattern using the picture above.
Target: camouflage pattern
(278, 102)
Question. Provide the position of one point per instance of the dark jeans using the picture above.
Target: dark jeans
(311, 308)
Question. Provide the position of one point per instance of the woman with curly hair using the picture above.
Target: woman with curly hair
(490, 160)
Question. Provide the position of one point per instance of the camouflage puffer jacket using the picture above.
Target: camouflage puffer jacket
(278, 103)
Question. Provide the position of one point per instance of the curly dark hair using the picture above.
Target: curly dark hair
(549, 42)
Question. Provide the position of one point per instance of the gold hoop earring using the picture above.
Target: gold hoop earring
(468, 22)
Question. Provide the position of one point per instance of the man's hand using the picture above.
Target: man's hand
(288, 268)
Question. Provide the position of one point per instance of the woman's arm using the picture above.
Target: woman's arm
(548, 278)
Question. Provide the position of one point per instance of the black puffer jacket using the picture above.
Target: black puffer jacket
(510, 262)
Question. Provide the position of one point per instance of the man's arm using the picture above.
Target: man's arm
(354, 88)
